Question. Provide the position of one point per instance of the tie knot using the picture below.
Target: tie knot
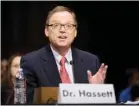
(62, 61)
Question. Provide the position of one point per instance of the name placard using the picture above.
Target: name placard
(86, 93)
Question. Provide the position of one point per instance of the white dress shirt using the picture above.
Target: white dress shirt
(68, 64)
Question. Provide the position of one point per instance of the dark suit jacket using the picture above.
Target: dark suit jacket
(40, 68)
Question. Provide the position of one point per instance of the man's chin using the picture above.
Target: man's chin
(63, 45)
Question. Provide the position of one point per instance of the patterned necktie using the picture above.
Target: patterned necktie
(63, 73)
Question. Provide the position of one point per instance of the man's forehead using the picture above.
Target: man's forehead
(60, 15)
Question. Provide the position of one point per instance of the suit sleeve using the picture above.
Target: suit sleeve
(30, 78)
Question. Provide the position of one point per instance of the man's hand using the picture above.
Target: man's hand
(99, 77)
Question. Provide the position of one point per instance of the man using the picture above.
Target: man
(134, 94)
(59, 62)
(133, 78)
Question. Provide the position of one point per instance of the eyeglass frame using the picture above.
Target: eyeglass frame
(51, 25)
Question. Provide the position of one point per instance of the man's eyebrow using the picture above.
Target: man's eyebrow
(56, 21)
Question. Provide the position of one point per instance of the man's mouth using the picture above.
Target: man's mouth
(62, 37)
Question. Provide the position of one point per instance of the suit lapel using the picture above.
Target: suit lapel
(80, 75)
(50, 67)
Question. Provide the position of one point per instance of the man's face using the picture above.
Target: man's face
(61, 36)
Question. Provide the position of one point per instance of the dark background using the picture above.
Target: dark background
(107, 29)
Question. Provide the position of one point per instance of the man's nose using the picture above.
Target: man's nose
(62, 28)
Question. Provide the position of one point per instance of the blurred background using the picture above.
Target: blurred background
(108, 29)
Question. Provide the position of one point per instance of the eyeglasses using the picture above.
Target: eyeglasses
(57, 26)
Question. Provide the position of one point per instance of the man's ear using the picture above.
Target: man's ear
(75, 33)
(46, 32)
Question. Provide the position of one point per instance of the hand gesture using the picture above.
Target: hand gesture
(99, 77)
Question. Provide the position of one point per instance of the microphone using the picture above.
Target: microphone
(72, 65)
(71, 62)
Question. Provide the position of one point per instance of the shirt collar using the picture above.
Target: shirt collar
(58, 57)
